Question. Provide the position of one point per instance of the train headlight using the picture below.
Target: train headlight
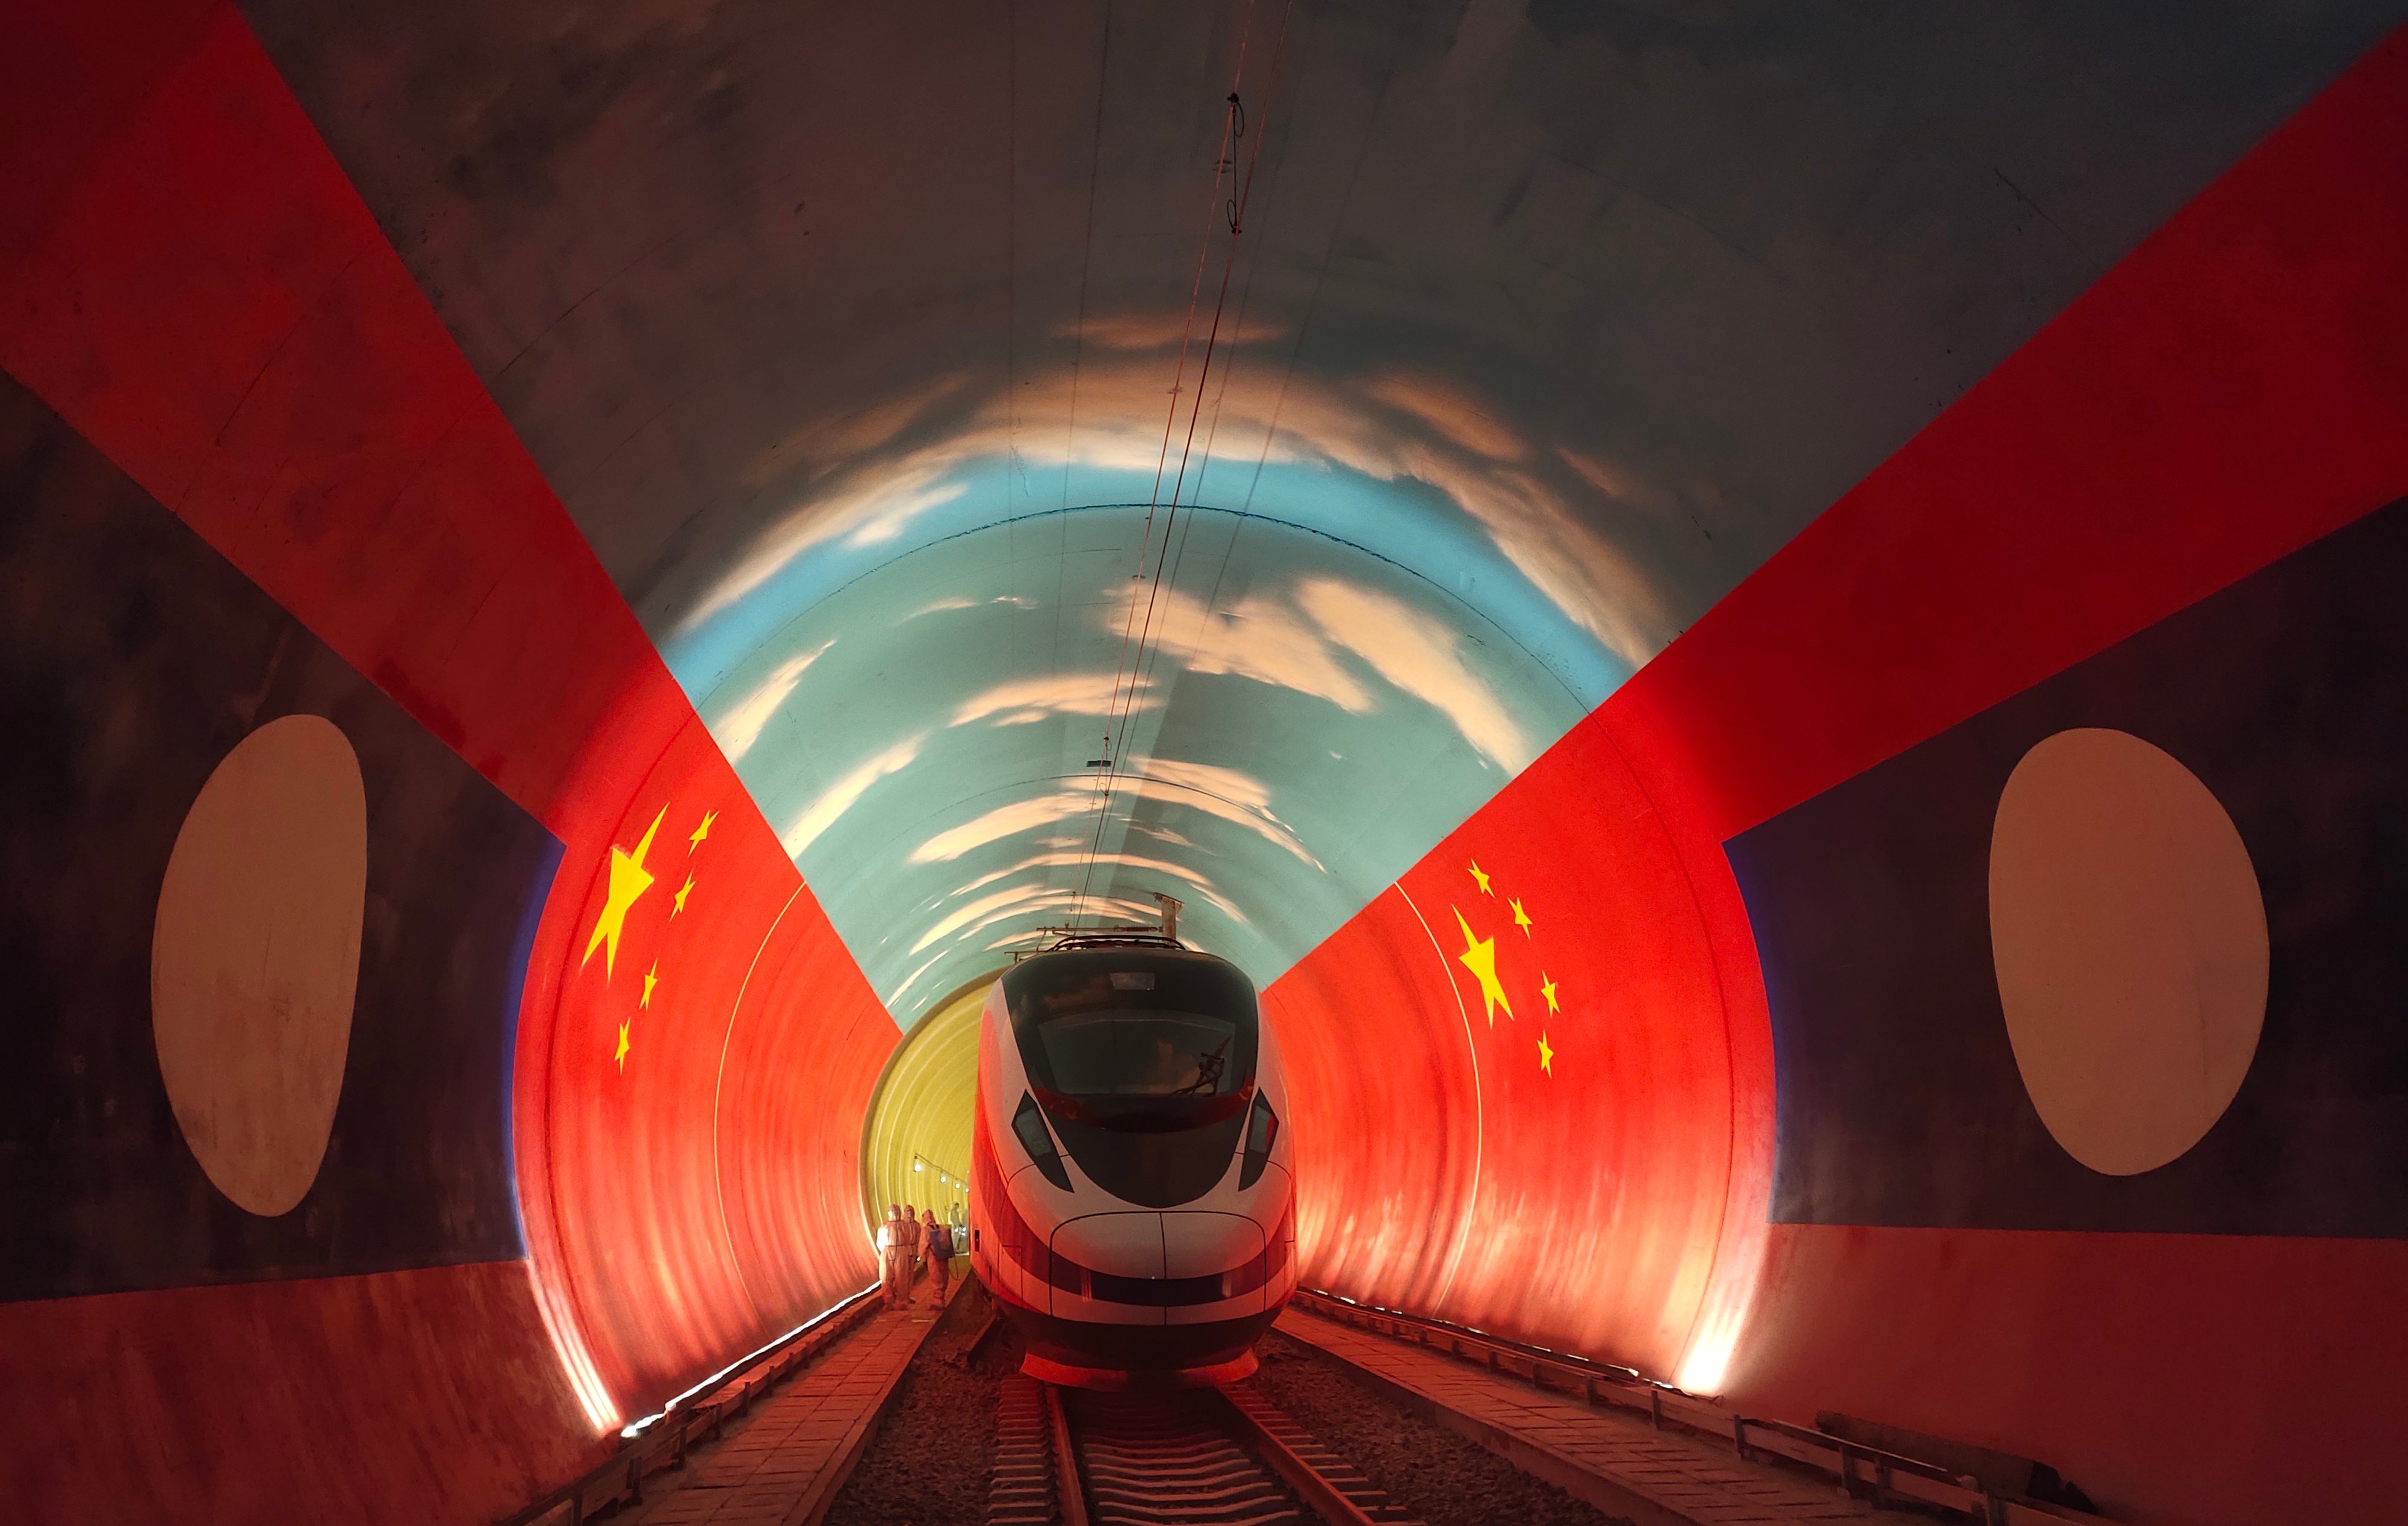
(1262, 1132)
(1029, 1124)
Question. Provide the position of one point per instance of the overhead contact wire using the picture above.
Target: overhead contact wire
(1101, 788)
(1087, 252)
(1150, 657)
(1124, 682)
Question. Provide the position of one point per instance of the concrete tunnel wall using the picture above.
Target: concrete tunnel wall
(922, 1111)
(2195, 471)
(204, 321)
(204, 328)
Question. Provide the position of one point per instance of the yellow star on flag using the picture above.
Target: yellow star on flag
(1480, 878)
(701, 831)
(1479, 956)
(1521, 918)
(1546, 1056)
(651, 978)
(622, 1056)
(683, 890)
(629, 880)
(1547, 988)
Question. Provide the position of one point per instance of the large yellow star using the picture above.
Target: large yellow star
(1546, 1056)
(1480, 879)
(701, 831)
(651, 978)
(629, 880)
(1547, 988)
(1521, 918)
(622, 1056)
(1479, 956)
(683, 890)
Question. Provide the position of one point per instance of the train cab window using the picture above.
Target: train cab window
(1029, 1124)
(1144, 1040)
(1143, 1061)
(1262, 1132)
(1121, 1053)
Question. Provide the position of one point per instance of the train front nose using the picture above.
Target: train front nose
(1177, 1291)
(1202, 1245)
(1115, 1246)
(1162, 1260)
(1140, 1064)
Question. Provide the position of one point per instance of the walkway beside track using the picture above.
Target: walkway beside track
(1617, 1462)
(783, 1465)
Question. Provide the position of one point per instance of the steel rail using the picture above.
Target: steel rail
(1199, 1457)
(1069, 1492)
(1336, 1492)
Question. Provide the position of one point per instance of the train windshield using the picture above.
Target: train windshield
(1168, 1033)
(1131, 1052)
(1143, 1060)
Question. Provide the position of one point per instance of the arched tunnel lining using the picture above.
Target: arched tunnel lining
(1369, 771)
(922, 1111)
(1785, 690)
(1782, 694)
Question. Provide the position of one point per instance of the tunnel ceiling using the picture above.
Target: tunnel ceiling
(898, 366)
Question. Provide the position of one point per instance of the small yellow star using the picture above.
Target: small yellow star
(1521, 918)
(629, 881)
(1479, 956)
(701, 831)
(651, 978)
(1547, 988)
(683, 890)
(1480, 879)
(1546, 1056)
(622, 1056)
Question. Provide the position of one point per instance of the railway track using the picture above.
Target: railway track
(1188, 1457)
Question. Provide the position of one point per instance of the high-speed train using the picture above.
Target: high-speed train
(1133, 1206)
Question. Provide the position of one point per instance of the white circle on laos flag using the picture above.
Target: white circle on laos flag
(2129, 935)
(255, 959)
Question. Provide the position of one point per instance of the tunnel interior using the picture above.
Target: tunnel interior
(1773, 635)
(915, 1145)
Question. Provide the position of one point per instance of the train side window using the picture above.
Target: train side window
(1029, 1124)
(1262, 1132)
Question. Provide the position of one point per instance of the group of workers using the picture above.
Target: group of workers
(904, 1243)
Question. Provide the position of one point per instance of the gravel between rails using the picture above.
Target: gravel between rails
(1434, 1472)
(928, 1461)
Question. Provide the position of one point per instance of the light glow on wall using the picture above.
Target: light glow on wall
(575, 1362)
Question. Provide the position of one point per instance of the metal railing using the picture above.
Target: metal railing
(658, 1442)
(1862, 1471)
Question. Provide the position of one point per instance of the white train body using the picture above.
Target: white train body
(1132, 1195)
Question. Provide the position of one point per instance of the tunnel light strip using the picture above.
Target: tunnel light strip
(715, 1379)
